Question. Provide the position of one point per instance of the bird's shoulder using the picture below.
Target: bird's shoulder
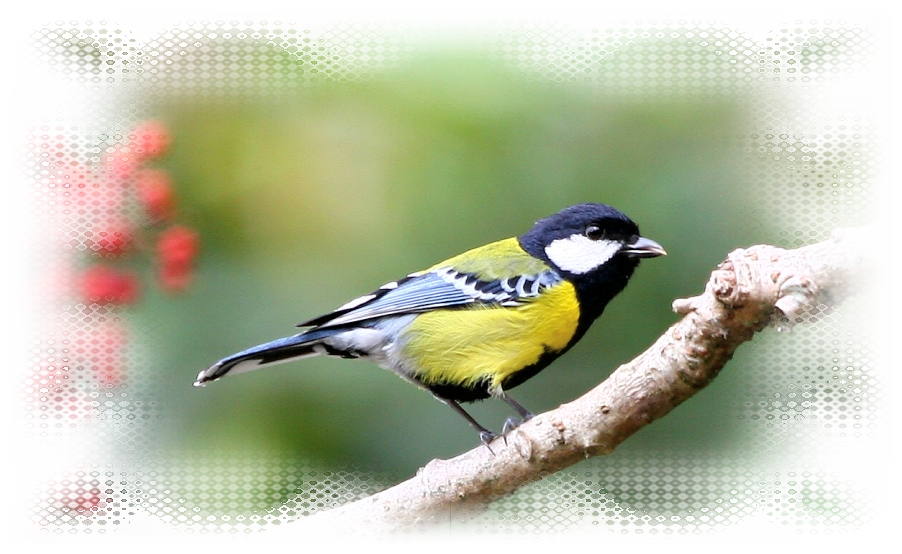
(499, 274)
(498, 260)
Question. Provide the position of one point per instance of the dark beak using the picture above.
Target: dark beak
(643, 248)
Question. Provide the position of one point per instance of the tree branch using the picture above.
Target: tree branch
(753, 288)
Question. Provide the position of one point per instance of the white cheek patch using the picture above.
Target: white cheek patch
(579, 254)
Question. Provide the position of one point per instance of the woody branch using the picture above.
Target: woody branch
(753, 288)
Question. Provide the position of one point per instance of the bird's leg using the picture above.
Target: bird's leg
(511, 422)
(485, 435)
(524, 413)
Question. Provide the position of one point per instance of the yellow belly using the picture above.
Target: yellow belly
(464, 347)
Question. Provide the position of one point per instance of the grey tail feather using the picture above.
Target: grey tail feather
(263, 355)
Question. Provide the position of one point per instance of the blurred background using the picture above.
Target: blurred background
(309, 200)
(314, 167)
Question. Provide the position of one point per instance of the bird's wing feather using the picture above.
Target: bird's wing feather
(438, 288)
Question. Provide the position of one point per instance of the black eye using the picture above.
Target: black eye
(594, 232)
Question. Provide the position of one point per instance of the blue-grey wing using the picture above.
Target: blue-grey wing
(438, 289)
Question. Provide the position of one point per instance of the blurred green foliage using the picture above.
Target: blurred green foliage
(306, 200)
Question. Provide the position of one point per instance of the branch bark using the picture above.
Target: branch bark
(753, 288)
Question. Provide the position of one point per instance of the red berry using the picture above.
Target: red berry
(151, 139)
(176, 250)
(154, 189)
(177, 246)
(104, 285)
(176, 277)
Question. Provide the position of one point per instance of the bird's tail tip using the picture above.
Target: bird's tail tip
(206, 376)
(264, 355)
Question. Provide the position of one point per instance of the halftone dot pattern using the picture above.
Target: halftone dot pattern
(672, 493)
(213, 495)
(812, 159)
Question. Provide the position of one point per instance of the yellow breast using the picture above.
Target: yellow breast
(464, 347)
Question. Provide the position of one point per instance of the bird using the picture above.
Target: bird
(482, 322)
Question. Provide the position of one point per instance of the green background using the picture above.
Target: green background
(306, 201)
(314, 177)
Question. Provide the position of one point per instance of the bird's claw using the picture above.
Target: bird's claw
(486, 437)
(512, 423)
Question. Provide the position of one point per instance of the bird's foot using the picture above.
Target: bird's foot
(512, 423)
(486, 437)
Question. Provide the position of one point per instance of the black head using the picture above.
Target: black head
(594, 246)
